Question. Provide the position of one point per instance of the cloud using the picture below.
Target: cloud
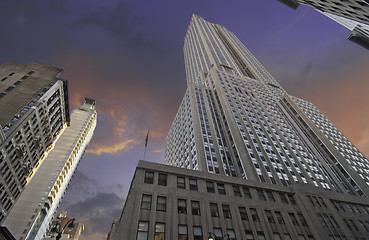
(113, 149)
(95, 213)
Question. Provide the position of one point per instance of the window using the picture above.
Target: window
(197, 233)
(182, 206)
(246, 192)
(149, 177)
(270, 196)
(193, 184)
(302, 219)
(161, 204)
(287, 236)
(261, 195)
(162, 179)
(254, 215)
(261, 236)
(269, 216)
(231, 234)
(159, 231)
(146, 202)
(283, 198)
(226, 211)
(237, 192)
(301, 237)
(143, 230)
(276, 236)
(195, 206)
(221, 189)
(9, 89)
(291, 198)
(249, 235)
(293, 219)
(210, 187)
(214, 210)
(243, 213)
(218, 233)
(182, 232)
(279, 217)
(181, 182)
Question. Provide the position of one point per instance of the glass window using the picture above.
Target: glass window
(218, 232)
(287, 236)
(221, 189)
(226, 211)
(195, 205)
(182, 232)
(143, 230)
(210, 187)
(301, 237)
(193, 184)
(279, 217)
(181, 182)
(302, 219)
(159, 231)
(214, 210)
(149, 177)
(249, 235)
(270, 196)
(182, 208)
(293, 219)
(161, 204)
(283, 198)
(276, 236)
(254, 215)
(292, 199)
(231, 234)
(261, 236)
(269, 216)
(243, 213)
(237, 192)
(261, 195)
(146, 202)
(162, 179)
(246, 192)
(197, 233)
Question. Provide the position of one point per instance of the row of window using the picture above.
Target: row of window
(220, 187)
(246, 215)
(197, 233)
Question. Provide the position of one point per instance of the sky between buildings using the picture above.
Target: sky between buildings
(128, 56)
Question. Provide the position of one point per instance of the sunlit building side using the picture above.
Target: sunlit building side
(32, 213)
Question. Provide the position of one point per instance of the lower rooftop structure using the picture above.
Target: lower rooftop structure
(166, 202)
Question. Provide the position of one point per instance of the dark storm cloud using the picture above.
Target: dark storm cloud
(96, 212)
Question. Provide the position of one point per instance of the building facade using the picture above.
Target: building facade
(33, 111)
(166, 202)
(357, 10)
(359, 31)
(268, 165)
(32, 213)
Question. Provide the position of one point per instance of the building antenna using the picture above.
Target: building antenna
(146, 140)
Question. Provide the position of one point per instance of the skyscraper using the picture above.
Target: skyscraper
(353, 15)
(33, 111)
(359, 31)
(32, 213)
(236, 120)
(357, 10)
(251, 161)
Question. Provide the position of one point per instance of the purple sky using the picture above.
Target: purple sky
(128, 56)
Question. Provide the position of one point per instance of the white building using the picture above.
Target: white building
(31, 215)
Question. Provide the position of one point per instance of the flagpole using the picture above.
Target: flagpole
(146, 140)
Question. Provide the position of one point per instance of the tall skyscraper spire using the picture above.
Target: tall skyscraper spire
(236, 120)
(251, 161)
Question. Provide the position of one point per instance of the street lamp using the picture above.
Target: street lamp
(217, 238)
(58, 229)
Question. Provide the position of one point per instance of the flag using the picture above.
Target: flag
(147, 138)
